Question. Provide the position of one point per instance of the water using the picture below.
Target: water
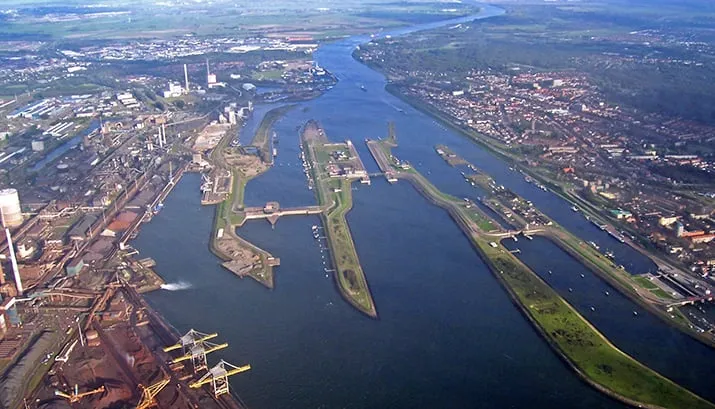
(66, 146)
(448, 335)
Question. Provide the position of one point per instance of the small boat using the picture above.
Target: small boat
(635, 312)
(607, 293)
(582, 276)
(362, 87)
(593, 308)
(574, 208)
(570, 290)
(550, 272)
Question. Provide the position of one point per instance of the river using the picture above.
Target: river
(448, 335)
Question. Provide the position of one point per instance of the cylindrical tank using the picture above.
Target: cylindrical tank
(10, 207)
(38, 146)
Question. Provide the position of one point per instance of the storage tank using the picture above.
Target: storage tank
(38, 146)
(10, 207)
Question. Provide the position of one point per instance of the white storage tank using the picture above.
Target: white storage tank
(10, 207)
(38, 146)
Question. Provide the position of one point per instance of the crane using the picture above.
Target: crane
(75, 396)
(149, 393)
(218, 377)
(191, 338)
(197, 354)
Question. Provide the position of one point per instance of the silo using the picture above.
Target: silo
(10, 207)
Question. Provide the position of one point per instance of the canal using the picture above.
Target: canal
(448, 335)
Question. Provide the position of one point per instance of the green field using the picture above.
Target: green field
(349, 271)
(581, 344)
(337, 193)
(271, 75)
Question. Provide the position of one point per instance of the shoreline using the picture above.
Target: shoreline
(563, 326)
(433, 113)
(630, 292)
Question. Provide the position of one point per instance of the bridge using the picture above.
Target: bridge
(513, 233)
(691, 300)
(272, 212)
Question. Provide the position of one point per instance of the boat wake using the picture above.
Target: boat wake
(181, 285)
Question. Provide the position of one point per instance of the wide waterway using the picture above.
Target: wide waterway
(448, 335)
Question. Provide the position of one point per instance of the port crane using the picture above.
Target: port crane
(218, 377)
(195, 346)
(75, 396)
(149, 393)
(190, 339)
(197, 354)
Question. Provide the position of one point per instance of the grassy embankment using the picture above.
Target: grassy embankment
(337, 194)
(597, 360)
(262, 138)
(587, 351)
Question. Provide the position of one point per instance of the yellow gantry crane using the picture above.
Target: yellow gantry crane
(75, 396)
(218, 377)
(195, 346)
(149, 393)
(197, 354)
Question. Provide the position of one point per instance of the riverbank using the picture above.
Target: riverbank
(626, 284)
(628, 287)
(335, 193)
(581, 345)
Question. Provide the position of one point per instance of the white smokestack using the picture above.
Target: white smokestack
(15, 268)
(186, 78)
(162, 136)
